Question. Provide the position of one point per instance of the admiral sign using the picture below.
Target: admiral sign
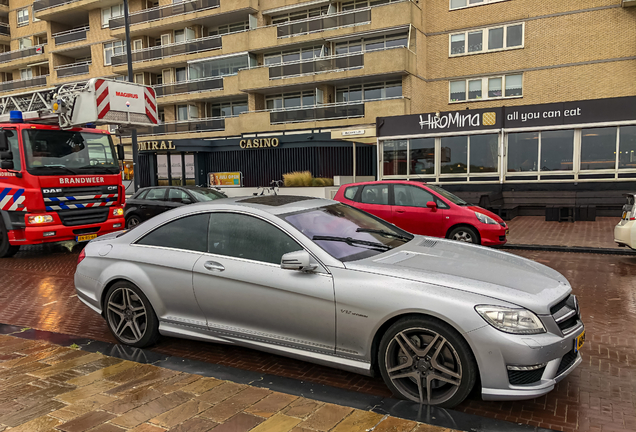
(156, 145)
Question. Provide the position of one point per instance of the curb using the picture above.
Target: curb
(571, 249)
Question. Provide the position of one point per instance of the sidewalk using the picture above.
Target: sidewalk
(534, 230)
(47, 387)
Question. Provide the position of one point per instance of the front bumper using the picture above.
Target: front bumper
(623, 233)
(495, 351)
(33, 234)
(492, 235)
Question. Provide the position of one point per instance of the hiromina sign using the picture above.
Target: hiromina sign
(259, 143)
(156, 145)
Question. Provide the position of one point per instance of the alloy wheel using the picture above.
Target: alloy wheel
(423, 366)
(133, 221)
(463, 236)
(127, 315)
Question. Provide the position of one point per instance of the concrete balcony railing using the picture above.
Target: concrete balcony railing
(37, 81)
(317, 112)
(46, 4)
(198, 125)
(158, 13)
(316, 65)
(73, 69)
(22, 53)
(324, 22)
(163, 51)
(69, 36)
(200, 85)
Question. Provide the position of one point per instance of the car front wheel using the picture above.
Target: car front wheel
(464, 234)
(130, 316)
(132, 221)
(426, 361)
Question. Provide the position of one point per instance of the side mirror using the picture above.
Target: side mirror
(4, 142)
(186, 201)
(6, 165)
(299, 260)
(432, 205)
(120, 152)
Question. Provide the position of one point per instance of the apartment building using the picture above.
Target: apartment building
(233, 77)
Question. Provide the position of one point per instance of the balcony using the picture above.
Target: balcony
(73, 35)
(47, 4)
(69, 12)
(316, 65)
(73, 69)
(317, 112)
(37, 81)
(628, 3)
(161, 12)
(205, 84)
(163, 51)
(5, 29)
(324, 22)
(198, 125)
(13, 59)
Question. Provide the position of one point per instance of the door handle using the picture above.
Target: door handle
(142, 206)
(214, 266)
(400, 211)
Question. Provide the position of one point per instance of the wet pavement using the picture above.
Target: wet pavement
(47, 387)
(36, 291)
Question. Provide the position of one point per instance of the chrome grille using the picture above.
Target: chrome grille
(566, 314)
(81, 205)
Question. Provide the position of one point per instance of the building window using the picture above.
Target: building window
(112, 12)
(229, 28)
(23, 17)
(219, 67)
(485, 40)
(627, 147)
(26, 43)
(368, 92)
(357, 4)
(305, 98)
(111, 49)
(541, 151)
(227, 109)
(187, 112)
(506, 86)
(296, 55)
(460, 4)
(376, 43)
(300, 15)
(26, 73)
(180, 74)
(34, 18)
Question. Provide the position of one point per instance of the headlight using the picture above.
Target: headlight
(516, 321)
(486, 219)
(40, 219)
(118, 212)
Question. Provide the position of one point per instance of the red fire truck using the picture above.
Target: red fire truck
(60, 181)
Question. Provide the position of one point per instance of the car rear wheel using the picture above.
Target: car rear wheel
(427, 361)
(464, 234)
(132, 221)
(130, 316)
(6, 249)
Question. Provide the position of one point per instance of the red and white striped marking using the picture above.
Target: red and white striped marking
(103, 102)
(151, 104)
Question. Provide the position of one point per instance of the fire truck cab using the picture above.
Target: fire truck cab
(61, 183)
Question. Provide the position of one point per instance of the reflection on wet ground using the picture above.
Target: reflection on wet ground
(36, 290)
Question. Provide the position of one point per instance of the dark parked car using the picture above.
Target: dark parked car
(149, 202)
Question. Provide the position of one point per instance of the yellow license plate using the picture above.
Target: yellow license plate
(85, 238)
(507, 231)
(624, 215)
(578, 343)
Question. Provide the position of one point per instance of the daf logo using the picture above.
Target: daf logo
(112, 187)
(50, 191)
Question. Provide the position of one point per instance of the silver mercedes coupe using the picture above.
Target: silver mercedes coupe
(320, 281)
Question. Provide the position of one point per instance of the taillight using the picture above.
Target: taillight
(81, 256)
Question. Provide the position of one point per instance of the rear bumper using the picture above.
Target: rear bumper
(623, 233)
(32, 235)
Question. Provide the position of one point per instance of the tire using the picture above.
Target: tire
(132, 221)
(130, 316)
(430, 352)
(465, 234)
(6, 249)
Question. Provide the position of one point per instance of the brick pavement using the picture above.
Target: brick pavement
(534, 230)
(46, 387)
(597, 396)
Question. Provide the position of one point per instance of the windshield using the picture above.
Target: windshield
(66, 152)
(449, 196)
(346, 223)
(205, 194)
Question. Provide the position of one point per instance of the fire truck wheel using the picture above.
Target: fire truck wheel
(6, 250)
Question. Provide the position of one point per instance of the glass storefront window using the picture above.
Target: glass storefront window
(162, 169)
(422, 156)
(175, 169)
(557, 150)
(523, 151)
(394, 158)
(627, 147)
(598, 148)
(484, 153)
(455, 155)
(189, 169)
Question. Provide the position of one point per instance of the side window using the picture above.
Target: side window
(156, 194)
(375, 194)
(14, 147)
(412, 196)
(350, 192)
(241, 236)
(177, 195)
(440, 203)
(142, 194)
(187, 233)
